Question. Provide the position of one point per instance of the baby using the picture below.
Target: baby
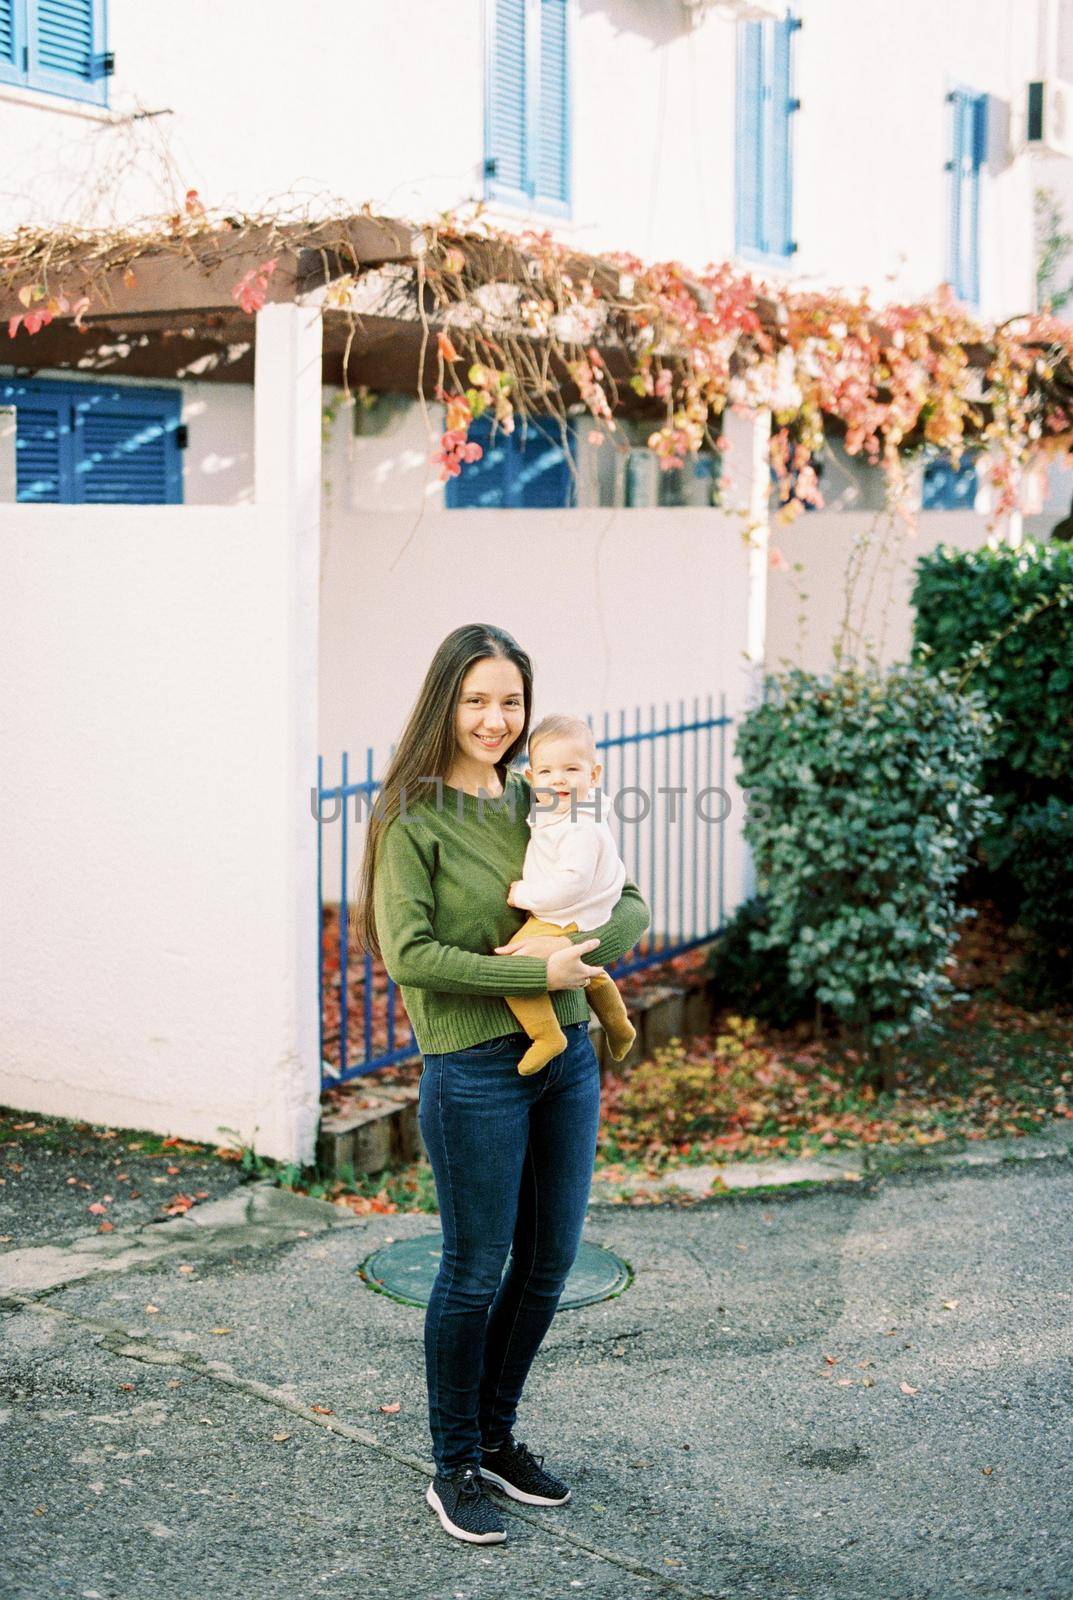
(571, 880)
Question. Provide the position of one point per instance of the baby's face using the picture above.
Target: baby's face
(564, 765)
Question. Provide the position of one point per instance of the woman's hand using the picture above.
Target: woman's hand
(566, 969)
(538, 944)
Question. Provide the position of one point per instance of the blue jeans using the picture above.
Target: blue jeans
(512, 1157)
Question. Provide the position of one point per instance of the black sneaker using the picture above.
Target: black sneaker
(459, 1500)
(514, 1469)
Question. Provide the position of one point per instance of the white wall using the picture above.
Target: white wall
(806, 608)
(147, 805)
(390, 111)
(617, 609)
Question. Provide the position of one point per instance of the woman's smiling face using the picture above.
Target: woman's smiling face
(490, 713)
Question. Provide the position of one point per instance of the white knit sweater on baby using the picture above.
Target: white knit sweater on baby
(572, 870)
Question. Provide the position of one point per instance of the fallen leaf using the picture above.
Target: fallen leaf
(396, 1405)
(868, 1383)
(106, 1227)
(280, 1438)
(323, 1411)
(844, 1383)
(907, 1388)
(171, 1171)
(175, 1383)
(186, 1267)
(987, 1471)
(152, 1310)
(832, 1361)
(221, 1330)
(127, 1386)
(950, 1305)
(97, 1209)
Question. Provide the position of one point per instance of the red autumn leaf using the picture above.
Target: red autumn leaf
(106, 1227)
(396, 1405)
(97, 1209)
(323, 1411)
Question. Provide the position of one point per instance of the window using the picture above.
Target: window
(763, 192)
(527, 110)
(968, 133)
(79, 443)
(949, 488)
(525, 469)
(55, 45)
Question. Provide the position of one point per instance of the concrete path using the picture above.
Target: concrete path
(858, 1394)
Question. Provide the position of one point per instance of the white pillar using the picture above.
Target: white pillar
(287, 411)
(747, 466)
(7, 455)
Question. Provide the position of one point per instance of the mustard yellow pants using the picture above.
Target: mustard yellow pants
(538, 1019)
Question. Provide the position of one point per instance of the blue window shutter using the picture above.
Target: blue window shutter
(749, 146)
(777, 106)
(126, 451)
(948, 489)
(551, 154)
(967, 156)
(508, 172)
(66, 46)
(763, 210)
(43, 445)
(79, 443)
(527, 469)
(10, 41)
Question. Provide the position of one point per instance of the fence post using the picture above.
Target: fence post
(287, 436)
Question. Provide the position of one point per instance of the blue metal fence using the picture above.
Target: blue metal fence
(664, 784)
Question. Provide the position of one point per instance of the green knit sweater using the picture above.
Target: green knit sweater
(440, 899)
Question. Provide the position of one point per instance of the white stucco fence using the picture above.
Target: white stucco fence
(617, 609)
(157, 857)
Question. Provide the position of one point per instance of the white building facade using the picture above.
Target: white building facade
(830, 143)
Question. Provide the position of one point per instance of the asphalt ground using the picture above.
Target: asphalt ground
(862, 1393)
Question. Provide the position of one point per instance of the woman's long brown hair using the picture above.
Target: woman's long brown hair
(427, 747)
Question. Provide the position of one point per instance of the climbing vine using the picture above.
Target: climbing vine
(521, 325)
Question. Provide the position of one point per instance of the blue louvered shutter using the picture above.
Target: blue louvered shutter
(126, 450)
(527, 469)
(79, 443)
(10, 42)
(506, 163)
(777, 228)
(43, 444)
(968, 153)
(66, 47)
(749, 144)
(552, 130)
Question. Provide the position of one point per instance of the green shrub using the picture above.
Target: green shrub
(1040, 860)
(1007, 614)
(753, 978)
(864, 800)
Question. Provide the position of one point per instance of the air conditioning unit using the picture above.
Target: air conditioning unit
(1049, 117)
(735, 10)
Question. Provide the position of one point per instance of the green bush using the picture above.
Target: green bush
(1040, 859)
(864, 800)
(1007, 614)
(753, 978)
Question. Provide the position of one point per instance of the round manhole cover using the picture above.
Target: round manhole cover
(406, 1270)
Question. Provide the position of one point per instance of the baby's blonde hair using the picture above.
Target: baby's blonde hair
(560, 725)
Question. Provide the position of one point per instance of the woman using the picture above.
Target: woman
(512, 1155)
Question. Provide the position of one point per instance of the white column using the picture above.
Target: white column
(7, 455)
(287, 411)
(747, 466)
